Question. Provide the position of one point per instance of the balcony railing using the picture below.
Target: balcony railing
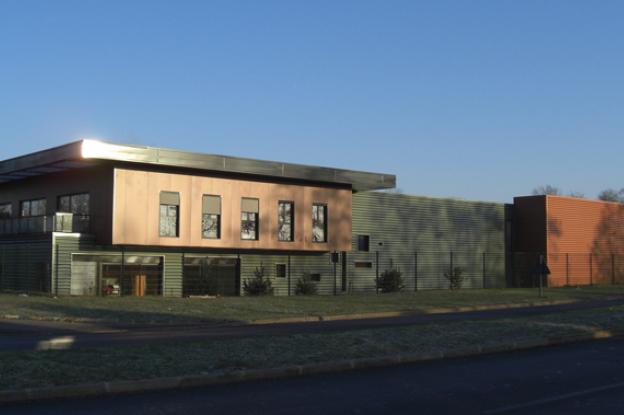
(59, 222)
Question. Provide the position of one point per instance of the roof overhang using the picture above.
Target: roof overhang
(87, 153)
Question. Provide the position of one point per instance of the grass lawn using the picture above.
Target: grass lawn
(48, 368)
(130, 310)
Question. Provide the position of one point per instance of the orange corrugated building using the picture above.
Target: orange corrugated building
(582, 239)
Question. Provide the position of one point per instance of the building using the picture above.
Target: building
(582, 240)
(96, 218)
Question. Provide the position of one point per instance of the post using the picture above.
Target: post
(451, 265)
(541, 275)
(377, 272)
(335, 282)
(567, 269)
(483, 283)
(415, 271)
(122, 270)
(239, 270)
(163, 283)
(289, 275)
(591, 270)
(56, 271)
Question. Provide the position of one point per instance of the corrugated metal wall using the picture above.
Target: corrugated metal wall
(25, 265)
(423, 236)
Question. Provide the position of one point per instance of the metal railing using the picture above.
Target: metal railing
(59, 222)
(567, 268)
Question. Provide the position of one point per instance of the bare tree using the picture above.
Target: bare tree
(612, 195)
(546, 190)
(580, 195)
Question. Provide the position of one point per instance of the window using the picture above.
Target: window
(363, 264)
(280, 270)
(315, 277)
(319, 223)
(6, 210)
(77, 204)
(363, 243)
(285, 221)
(169, 214)
(35, 207)
(211, 217)
(249, 218)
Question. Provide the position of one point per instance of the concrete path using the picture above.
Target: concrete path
(583, 378)
(37, 335)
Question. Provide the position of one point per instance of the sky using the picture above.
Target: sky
(481, 100)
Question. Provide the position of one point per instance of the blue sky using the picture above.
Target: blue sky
(471, 99)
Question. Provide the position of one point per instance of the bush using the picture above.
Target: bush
(390, 281)
(258, 285)
(455, 278)
(305, 285)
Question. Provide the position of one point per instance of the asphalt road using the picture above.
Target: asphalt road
(33, 335)
(583, 378)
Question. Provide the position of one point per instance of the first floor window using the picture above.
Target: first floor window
(319, 223)
(211, 217)
(35, 207)
(169, 214)
(249, 225)
(249, 218)
(285, 221)
(77, 204)
(6, 210)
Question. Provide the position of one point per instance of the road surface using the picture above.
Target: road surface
(583, 378)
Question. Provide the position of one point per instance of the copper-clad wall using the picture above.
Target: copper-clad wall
(583, 235)
(136, 211)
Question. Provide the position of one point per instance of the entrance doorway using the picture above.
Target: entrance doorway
(116, 275)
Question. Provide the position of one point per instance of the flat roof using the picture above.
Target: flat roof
(86, 153)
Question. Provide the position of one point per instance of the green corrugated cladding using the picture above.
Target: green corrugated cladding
(172, 283)
(25, 265)
(409, 230)
(63, 246)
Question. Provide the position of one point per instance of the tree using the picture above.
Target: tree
(259, 284)
(580, 195)
(612, 195)
(546, 190)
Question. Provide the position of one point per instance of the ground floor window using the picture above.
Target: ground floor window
(116, 275)
(210, 276)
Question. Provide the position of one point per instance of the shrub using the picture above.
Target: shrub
(258, 285)
(305, 285)
(455, 278)
(390, 281)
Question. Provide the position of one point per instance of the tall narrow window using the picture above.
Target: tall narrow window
(319, 223)
(35, 207)
(285, 221)
(6, 210)
(249, 218)
(169, 214)
(77, 204)
(211, 217)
